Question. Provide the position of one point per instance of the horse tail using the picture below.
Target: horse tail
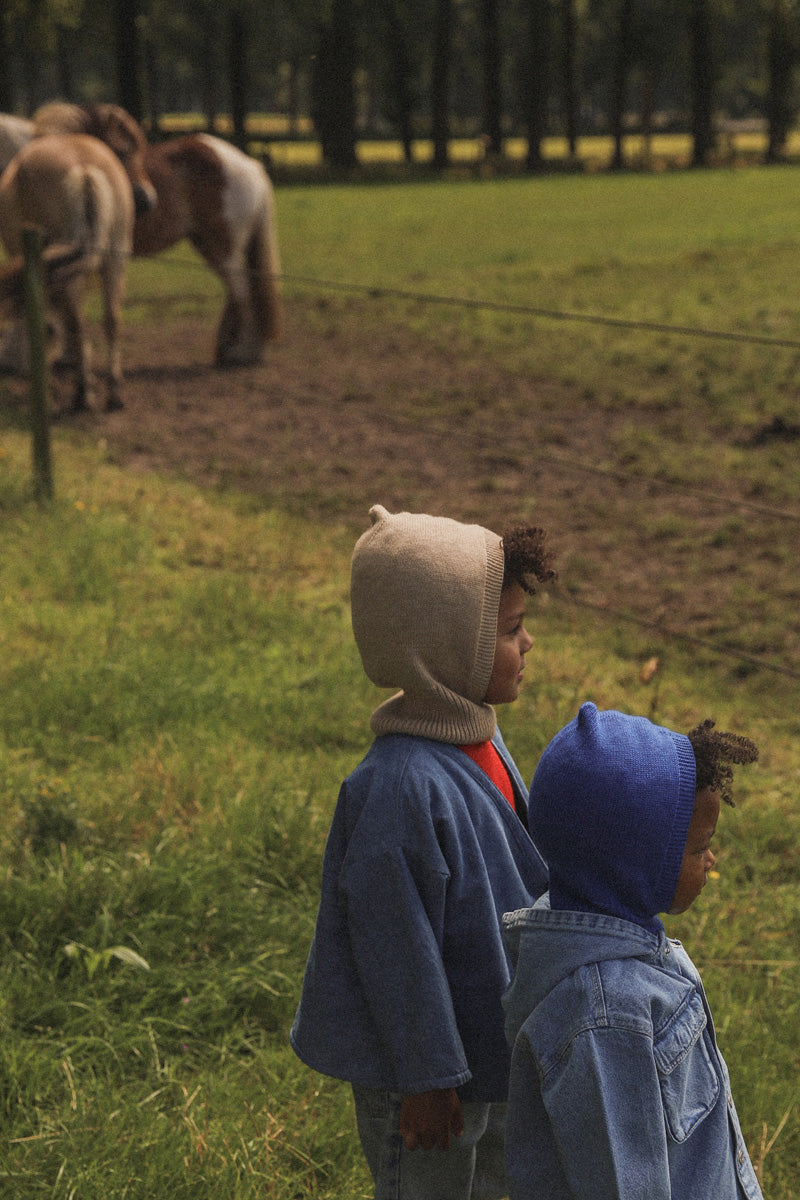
(61, 262)
(264, 268)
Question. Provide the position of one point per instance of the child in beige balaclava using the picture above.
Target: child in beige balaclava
(428, 848)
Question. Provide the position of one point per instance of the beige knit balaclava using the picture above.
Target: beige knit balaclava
(424, 596)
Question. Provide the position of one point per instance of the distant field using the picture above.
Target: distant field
(293, 145)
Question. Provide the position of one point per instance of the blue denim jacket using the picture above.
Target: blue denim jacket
(405, 977)
(618, 1089)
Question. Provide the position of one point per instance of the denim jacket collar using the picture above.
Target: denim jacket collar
(559, 941)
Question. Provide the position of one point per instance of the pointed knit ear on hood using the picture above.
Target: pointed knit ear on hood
(424, 596)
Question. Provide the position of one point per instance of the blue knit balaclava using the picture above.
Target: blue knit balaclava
(610, 806)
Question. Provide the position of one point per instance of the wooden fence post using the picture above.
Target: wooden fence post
(37, 349)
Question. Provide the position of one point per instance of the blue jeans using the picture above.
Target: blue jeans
(472, 1169)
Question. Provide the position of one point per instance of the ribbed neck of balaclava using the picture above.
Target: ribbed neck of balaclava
(424, 596)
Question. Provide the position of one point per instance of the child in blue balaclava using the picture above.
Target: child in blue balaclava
(618, 1089)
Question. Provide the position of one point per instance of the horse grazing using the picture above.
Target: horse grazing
(222, 201)
(76, 191)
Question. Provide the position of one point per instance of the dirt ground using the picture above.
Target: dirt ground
(334, 421)
(339, 416)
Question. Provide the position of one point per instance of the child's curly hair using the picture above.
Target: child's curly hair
(527, 557)
(715, 754)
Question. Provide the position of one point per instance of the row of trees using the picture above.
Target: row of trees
(414, 68)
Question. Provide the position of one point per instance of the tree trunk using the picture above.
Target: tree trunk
(153, 100)
(781, 59)
(701, 82)
(238, 74)
(400, 101)
(294, 94)
(646, 112)
(209, 68)
(492, 89)
(622, 69)
(65, 56)
(539, 47)
(126, 15)
(334, 107)
(440, 82)
(6, 88)
(569, 60)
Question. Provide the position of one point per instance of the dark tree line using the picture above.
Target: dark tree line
(419, 68)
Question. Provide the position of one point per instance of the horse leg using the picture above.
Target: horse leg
(236, 334)
(227, 331)
(252, 314)
(237, 341)
(67, 303)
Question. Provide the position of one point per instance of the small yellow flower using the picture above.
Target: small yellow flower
(80, 506)
(713, 874)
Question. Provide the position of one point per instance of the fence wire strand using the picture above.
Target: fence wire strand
(530, 310)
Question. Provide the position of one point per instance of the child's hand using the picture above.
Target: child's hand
(428, 1119)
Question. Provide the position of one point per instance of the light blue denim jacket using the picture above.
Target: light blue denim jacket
(405, 977)
(618, 1089)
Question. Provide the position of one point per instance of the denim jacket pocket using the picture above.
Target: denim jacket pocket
(690, 1086)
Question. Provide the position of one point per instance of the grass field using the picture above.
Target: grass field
(180, 696)
(292, 146)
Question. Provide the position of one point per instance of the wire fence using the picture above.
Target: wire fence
(382, 292)
(529, 310)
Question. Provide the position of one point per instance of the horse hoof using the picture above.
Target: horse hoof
(114, 404)
(226, 362)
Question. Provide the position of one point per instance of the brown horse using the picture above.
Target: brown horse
(75, 190)
(222, 201)
(207, 191)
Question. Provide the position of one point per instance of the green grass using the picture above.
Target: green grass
(167, 762)
(180, 699)
(518, 230)
(180, 696)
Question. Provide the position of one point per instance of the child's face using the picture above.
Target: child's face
(513, 643)
(698, 859)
